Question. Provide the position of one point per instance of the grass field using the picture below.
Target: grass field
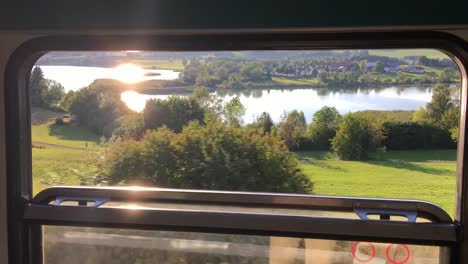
(70, 135)
(299, 81)
(53, 166)
(424, 174)
(59, 166)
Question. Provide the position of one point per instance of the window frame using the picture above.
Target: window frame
(22, 234)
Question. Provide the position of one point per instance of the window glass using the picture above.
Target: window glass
(102, 245)
(374, 123)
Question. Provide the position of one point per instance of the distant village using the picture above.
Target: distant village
(408, 65)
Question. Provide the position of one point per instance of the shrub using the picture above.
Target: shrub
(214, 156)
(411, 135)
(357, 136)
(292, 129)
(130, 126)
(323, 128)
(174, 113)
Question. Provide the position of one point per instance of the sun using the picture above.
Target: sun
(128, 73)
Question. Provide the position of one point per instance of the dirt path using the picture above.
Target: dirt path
(50, 145)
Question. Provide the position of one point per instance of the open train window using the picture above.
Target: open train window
(237, 149)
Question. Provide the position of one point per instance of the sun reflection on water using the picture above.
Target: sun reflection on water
(129, 73)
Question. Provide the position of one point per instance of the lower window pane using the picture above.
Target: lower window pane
(82, 245)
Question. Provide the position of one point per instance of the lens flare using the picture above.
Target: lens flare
(129, 73)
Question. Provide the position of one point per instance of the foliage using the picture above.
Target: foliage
(45, 93)
(420, 116)
(440, 103)
(212, 157)
(233, 112)
(130, 126)
(357, 136)
(411, 135)
(36, 86)
(448, 75)
(292, 129)
(211, 103)
(52, 94)
(323, 127)
(96, 106)
(264, 122)
(174, 112)
(379, 67)
(226, 73)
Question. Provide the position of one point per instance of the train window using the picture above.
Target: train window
(236, 149)
(373, 123)
(100, 245)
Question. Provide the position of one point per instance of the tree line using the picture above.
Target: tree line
(328, 72)
(45, 93)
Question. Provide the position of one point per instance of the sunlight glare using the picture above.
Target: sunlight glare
(129, 73)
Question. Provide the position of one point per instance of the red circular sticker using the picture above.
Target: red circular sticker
(392, 259)
(361, 258)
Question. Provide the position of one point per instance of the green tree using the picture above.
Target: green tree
(292, 129)
(174, 112)
(379, 67)
(52, 94)
(67, 100)
(420, 116)
(130, 126)
(323, 127)
(37, 86)
(323, 77)
(253, 71)
(362, 66)
(97, 106)
(448, 75)
(441, 102)
(233, 112)
(357, 136)
(264, 122)
(213, 157)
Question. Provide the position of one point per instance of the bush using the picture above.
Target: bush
(323, 128)
(174, 113)
(215, 157)
(130, 126)
(357, 136)
(410, 135)
(292, 129)
(97, 106)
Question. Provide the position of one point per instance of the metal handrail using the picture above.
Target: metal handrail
(357, 205)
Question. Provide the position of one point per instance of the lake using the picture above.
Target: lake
(274, 100)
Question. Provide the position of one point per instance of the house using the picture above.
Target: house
(370, 64)
(411, 59)
(414, 69)
(392, 66)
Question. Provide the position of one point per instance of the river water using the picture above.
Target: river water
(276, 101)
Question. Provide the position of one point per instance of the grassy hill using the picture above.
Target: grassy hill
(53, 166)
(70, 135)
(400, 53)
(421, 174)
(59, 165)
(44, 130)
